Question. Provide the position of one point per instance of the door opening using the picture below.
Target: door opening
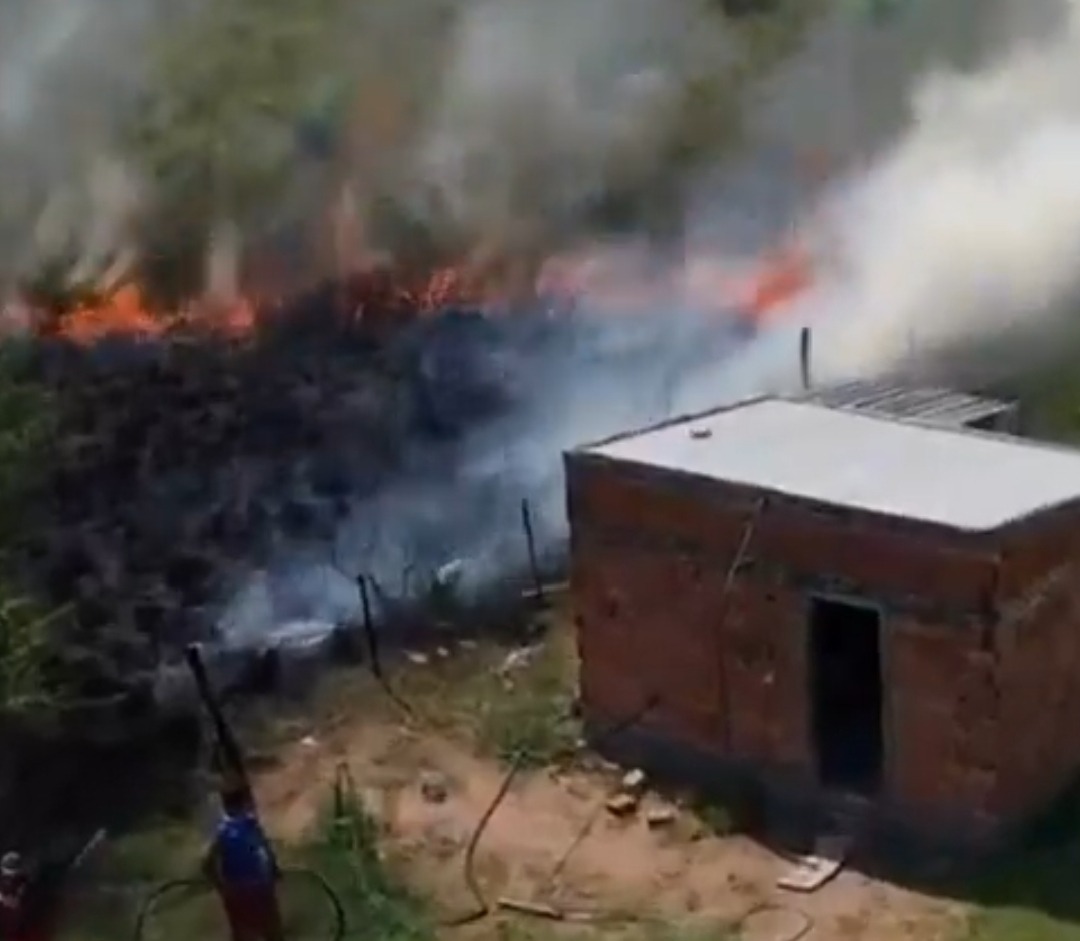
(845, 654)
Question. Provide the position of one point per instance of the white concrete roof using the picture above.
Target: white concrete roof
(960, 479)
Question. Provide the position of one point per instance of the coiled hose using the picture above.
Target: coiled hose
(189, 888)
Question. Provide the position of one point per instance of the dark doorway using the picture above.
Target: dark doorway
(846, 676)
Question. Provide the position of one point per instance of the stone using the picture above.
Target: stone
(662, 816)
(621, 805)
(633, 782)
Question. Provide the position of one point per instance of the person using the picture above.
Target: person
(22, 916)
(241, 865)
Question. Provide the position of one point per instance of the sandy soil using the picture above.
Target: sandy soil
(552, 841)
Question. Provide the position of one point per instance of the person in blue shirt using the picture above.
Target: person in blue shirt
(241, 865)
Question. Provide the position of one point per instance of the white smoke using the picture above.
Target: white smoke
(68, 69)
(970, 224)
(544, 104)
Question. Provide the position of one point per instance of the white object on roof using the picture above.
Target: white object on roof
(956, 478)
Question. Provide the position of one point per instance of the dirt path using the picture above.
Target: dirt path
(617, 867)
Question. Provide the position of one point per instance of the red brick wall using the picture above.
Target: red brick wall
(965, 733)
(765, 646)
(943, 719)
(653, 624)
(645, 632)
(1039, 654)
(1030, 552)
(880, 559)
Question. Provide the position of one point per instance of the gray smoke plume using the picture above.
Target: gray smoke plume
(68, 71)
(489, 122)
(969, 224)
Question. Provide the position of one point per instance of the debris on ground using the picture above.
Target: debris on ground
(531, 908)
(663, 816)
(518, 659)
(812, 871)
(622, 805)
(633, 782)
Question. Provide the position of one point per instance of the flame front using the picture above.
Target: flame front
(607, 282)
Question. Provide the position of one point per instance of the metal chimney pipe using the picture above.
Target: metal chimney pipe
(804, 357)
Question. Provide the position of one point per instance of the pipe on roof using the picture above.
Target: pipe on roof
(804, 357)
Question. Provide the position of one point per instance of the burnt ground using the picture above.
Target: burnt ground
(180, 466)
(323, 447)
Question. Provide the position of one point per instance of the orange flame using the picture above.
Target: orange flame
(615, 282)
(706, 283)
(776, 285)
(123, 312)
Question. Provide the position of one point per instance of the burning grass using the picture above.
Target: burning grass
(189, 449)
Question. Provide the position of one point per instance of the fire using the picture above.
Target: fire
(122, 312)
(125, 312)
(777, 284)
(708, 283)
(617, 281)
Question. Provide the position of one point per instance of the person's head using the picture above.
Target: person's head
(235, 798)
(12, 870)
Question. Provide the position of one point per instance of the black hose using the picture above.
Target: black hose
(194, 886)
(190, 885)
(483, 906)
(806, 926)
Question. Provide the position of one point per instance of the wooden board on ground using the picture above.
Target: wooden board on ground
(811, 872)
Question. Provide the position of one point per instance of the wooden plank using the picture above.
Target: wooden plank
(811, 872)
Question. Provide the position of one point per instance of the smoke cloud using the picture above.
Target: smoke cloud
(545, 105)
(969, 224)
(68, 71)
(485, 122)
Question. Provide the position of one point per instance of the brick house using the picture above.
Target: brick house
(844, 607)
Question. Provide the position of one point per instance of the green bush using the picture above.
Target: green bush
(27, 425)
(530, 722)
(345, 852)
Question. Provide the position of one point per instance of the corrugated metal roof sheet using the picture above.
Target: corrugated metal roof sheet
(953, 477)
(939, 406)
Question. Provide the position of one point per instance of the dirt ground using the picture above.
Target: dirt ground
(552, 840)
